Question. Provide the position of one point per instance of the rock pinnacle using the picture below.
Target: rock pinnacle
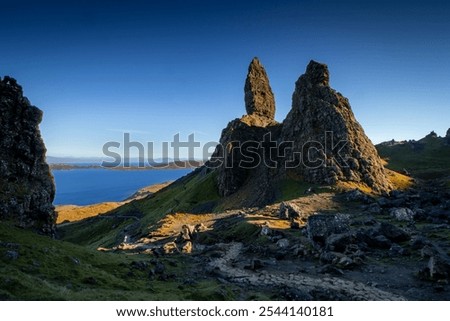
(259, 99)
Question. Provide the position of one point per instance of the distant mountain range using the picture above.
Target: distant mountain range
(68, 163)
(74, 160)
(64, 163)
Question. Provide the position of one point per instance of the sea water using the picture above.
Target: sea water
(90, 186)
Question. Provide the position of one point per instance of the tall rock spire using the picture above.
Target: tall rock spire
(323, 116)
(259, 98)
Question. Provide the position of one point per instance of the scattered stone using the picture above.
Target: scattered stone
(437, 269)
(290, 211)
(330, 269)
(139, 265)
(295, 225)
(397, 250)
(12, 255)
(75, 260)
(380, 242)
(374, 208)
(159, 268)
(265, 230)
(383, 202)
(187, 247)
(356, 195)
(339, 242)
(394, 233)
(402, 214)
(320, 226)
(184, 242)
(10, 245)
(200, 228)
(169, 248)
(283, 243)
(427, 251)
(418, 242)
(254, 265)
(345, 262)
(330, 257)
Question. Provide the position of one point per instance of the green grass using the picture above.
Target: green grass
(49, 269)
(291, 188)
(195, 193)
(430, 160)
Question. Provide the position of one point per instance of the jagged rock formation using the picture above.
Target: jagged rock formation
(320, 140)
(26, 185)
(238, 156)
(259, 98)
(322, 118)
(447, 136)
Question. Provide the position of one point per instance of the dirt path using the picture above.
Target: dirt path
(352, 290)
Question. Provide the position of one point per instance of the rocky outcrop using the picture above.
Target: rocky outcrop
(259, 98)
(238, 157)
(320, 140)
(26, 184)
(447, 136)
(322, 127)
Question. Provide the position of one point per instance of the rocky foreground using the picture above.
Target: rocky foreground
(328, 246)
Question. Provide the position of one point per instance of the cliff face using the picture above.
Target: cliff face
(26, 185)
(320, 139)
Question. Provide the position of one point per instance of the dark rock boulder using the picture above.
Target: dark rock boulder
(402, 214)
(290, 211)
(27, 189)
(321, 226)
(339, 242)
(438, 266)
(394, 233)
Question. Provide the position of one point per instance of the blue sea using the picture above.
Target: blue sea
(90, 186)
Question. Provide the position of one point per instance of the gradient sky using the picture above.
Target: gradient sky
(157, 68)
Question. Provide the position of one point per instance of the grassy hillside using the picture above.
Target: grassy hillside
(34, 267)
(195, 193)
(427, 158)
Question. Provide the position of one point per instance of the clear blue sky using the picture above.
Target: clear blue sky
(157, 68)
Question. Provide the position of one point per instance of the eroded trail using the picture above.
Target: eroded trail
(351, 290)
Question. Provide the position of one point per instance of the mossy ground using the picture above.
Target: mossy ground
(48, 269)
(427, 159)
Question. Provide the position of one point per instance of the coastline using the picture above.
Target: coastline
(69, 213)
